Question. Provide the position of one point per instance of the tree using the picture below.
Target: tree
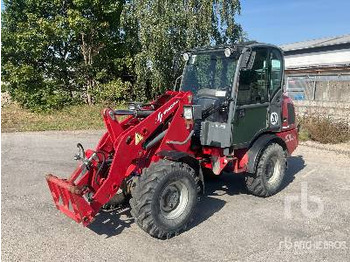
(60, 52)
(165, 28)
(54, 52)
(37, 53)
(96, 25)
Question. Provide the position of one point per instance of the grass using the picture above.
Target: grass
(81, 117)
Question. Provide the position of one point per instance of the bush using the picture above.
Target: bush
(113, 92)
(323, 129)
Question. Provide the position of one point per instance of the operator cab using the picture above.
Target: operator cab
(238, 90)
(209, 76)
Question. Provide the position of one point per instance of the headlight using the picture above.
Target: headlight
(188, 112)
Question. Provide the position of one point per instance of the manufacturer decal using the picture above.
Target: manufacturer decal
(289, 138)
(138, 138)
(165, 112)
(274, 118)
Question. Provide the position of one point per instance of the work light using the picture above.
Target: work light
(228, 52)
(188, 112)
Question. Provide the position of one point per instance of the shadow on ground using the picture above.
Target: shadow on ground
(295, 165)
(113, 223)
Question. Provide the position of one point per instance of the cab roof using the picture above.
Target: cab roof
(240, 46)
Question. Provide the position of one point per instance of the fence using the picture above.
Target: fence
(330, 88)
(326, 95)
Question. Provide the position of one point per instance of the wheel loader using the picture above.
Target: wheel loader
(227, 112)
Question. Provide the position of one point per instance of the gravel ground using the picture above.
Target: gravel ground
(229, 224)
(342, 148)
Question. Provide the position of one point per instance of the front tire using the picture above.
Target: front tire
(164, 198)
(270, 172)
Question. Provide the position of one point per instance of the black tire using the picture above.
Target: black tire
(270, 172)
(164, 198)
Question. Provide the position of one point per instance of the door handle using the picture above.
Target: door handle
(241, 113)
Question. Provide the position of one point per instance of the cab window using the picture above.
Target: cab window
(253, 83)
(276, 72)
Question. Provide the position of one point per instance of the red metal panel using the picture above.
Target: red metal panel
(290, 137)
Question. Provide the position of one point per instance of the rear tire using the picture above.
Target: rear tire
(164, 198)
(270, 172)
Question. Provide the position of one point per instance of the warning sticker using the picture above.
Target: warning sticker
(138, 138)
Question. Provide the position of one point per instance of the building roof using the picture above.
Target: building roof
(327, 41)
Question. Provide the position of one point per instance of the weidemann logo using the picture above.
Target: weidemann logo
(165, 112)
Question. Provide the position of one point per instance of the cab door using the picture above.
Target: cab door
(253, 102)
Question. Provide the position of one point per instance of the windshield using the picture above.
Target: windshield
(210, 70)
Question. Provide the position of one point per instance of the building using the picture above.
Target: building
(318, 75)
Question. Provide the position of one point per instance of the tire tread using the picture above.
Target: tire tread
(143, 191)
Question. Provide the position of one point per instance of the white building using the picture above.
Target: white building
(319, 70)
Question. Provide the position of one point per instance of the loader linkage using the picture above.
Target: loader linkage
(120, 153)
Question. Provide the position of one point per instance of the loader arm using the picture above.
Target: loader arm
(120, 153)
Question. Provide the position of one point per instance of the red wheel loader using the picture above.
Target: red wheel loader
(228, 112)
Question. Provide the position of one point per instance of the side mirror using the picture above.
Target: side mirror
(248, 60)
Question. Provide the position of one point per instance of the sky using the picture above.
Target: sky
(288, 21)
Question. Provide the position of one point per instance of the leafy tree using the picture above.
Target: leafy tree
(61, 52)
(165, 28)
(55, 52)
(96, 27)
(37, 53)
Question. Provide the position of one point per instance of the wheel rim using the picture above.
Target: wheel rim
(273, 169)
(174, 200)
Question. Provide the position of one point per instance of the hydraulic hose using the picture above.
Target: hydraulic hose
(155, 140)
(136, 113)
(182, 142)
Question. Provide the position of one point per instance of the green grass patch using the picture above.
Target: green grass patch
(304, 135)
(80, 117)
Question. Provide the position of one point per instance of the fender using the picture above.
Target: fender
(257, 147)
(186, 158)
